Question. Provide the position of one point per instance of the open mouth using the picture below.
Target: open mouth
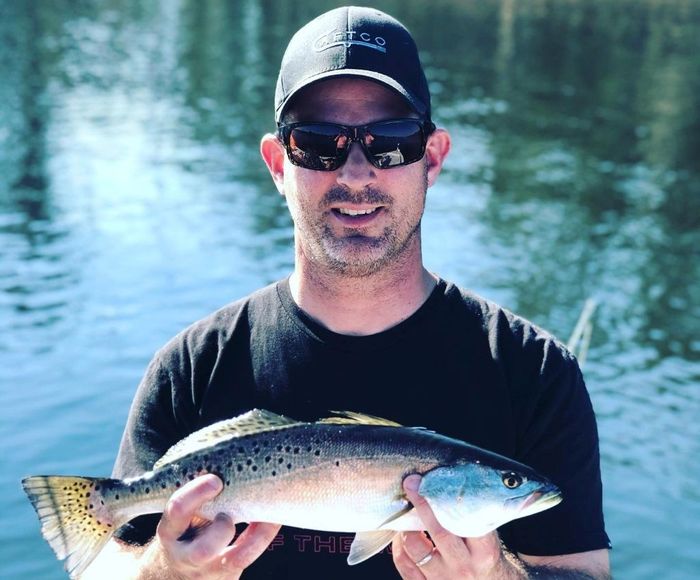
(356, 216)
(355, 212)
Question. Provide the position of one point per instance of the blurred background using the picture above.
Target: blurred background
(133, 201)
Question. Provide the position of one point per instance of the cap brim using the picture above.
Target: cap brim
(387, 81)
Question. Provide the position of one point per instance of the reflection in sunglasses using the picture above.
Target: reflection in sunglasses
(324, 146)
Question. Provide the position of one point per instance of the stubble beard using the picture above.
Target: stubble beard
(355, 255)
(360, 256)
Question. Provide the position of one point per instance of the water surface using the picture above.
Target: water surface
(133, 201)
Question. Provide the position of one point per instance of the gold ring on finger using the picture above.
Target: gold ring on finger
(425, 559)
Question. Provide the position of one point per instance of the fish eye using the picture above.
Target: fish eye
(511, 480)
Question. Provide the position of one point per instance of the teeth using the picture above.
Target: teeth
(346, 211)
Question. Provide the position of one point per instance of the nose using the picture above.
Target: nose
(357, 172)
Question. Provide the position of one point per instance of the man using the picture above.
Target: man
(362, 325)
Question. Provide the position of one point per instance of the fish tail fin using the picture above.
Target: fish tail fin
(75, 518)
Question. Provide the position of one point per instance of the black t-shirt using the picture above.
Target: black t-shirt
(459, 365)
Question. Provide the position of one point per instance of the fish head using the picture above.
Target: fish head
(472, 498)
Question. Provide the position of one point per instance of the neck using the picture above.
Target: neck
(364, 305)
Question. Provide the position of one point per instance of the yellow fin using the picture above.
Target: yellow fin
(367, 544)
(255, 421)
(75, 520)
(352, 418)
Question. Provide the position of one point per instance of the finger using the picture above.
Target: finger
(249, 546)
(486, 549)
(417, 545)
(209, 543)
(183, 505)
(449, 545)
(404, 564)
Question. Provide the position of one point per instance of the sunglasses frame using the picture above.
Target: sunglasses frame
(354, 133)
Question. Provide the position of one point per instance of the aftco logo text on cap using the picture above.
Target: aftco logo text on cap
(348, 37)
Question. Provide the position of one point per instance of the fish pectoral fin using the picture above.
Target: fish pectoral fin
(367, 544)
(408, 508)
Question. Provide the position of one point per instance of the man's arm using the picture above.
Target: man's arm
(593, 565)
(417, 558)
(207, 555)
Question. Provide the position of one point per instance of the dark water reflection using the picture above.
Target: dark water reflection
(133, 201)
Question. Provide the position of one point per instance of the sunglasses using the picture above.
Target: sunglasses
(325, 146)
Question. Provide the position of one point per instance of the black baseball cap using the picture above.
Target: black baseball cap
(357, 42)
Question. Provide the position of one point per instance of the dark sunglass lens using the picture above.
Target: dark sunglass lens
(395, 143)
(319, 147)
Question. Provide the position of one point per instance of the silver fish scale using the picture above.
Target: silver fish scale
(315, 469)
(285, 452)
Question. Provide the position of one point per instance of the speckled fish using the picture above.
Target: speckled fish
(341, 474)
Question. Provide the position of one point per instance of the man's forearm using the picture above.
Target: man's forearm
(546, 572)
(522, 570)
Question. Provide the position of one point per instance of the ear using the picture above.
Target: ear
(436, 150)
(273, 154)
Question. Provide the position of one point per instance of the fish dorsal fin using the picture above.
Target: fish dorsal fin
(255, 421)
(352, 418)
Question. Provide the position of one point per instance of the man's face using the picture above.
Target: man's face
(357, 219)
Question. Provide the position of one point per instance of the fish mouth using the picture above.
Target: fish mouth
(539, 500)
(542, 500)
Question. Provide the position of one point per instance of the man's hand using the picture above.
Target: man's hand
(208, 555)
(447, 556)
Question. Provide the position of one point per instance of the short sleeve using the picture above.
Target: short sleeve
(558, 437)
(150, 430)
